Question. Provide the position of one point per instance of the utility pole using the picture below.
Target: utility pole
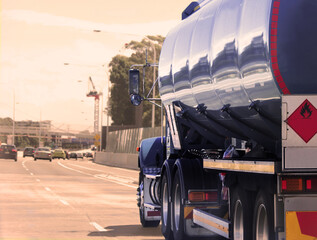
(13, 126)
(153, 106)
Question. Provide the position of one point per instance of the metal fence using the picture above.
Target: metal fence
(126, 141)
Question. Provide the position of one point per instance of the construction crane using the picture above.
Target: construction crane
(92, 92)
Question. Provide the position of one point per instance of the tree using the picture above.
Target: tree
(122, 111)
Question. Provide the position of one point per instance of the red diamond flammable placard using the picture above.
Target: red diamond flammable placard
(304, 121)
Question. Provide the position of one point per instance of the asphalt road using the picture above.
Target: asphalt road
(69, 199)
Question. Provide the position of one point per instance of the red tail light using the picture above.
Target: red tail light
(14, 150)
(311, 184)
(292, 184)
(303, 184)
(203, 196)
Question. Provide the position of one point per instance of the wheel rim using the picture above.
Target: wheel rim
(165, 204)
(262, 228)
(238, 221)
(177, 207)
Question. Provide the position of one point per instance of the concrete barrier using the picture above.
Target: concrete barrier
(122, 160)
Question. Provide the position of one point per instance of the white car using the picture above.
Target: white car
(43, 153)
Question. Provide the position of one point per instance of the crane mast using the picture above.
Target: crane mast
(94, 93)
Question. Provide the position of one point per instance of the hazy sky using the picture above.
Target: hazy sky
(39, 36)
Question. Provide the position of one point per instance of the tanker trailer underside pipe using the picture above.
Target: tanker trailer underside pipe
(246, 130)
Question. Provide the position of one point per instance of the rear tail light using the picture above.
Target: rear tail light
(311, 184)
(295, 184)
(292, 184)
(203, 196)
(14, 150)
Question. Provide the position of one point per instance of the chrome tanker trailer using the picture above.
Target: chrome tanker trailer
(238, 160)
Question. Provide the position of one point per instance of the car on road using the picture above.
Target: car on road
(28, 152)
(43, 153)
(80, 155)
(66, 154)
(73, 155)
(9, 152)
(59, 153)
(89, 155)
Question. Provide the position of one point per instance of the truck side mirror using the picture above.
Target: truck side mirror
(134, 83)
(136, 99)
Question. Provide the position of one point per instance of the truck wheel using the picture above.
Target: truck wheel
(263, 217)
(178, 209)
(166, 209)
(241, 209)
(144, 222)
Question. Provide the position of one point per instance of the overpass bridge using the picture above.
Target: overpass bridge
(58, 137)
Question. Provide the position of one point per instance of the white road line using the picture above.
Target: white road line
(121, 169)
(38, 180)
(98, 227)
(64, 202)
(23, 164)
(48, 189)
(96, 176)
(31, 174)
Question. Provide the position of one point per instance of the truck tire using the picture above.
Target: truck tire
(178, 210)
(144, 222)
(241, 210)
(263, 220)
(166, 209)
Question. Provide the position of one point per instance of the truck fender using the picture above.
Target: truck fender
(191, 174)
(152, 152)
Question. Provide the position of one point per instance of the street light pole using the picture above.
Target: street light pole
(13, 127)
(153, 106)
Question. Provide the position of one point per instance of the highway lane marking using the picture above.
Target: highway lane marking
(122, 179)
(97, 176)
(121, 169)
(64, 202)
(23, 165)
(98, 227)
(47, 188)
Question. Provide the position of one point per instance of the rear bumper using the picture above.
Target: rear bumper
(28, 154)
(301, 218)
(8, 156)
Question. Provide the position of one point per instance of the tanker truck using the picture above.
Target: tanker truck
(238, 157)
